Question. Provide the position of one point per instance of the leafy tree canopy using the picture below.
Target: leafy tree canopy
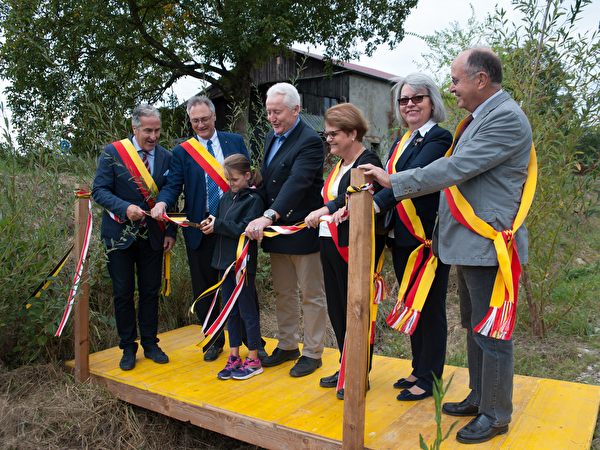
(69, 59)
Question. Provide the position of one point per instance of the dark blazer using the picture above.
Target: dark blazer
(292, 186)
(186, 175)
(365, 157)
(433, 145)
(114, 190)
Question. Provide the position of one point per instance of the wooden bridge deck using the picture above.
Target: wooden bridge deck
(274, 410)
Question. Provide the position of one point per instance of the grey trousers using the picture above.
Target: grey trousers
(490, 360)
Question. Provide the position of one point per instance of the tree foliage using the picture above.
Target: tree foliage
(67, 57)
(553, 72)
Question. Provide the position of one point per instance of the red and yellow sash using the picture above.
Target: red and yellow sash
(328, 196)
(147, 186)
(419, 272)
(211, 166)
(137, 168)
(500, 320)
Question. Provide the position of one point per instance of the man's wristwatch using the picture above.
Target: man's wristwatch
(270, 214)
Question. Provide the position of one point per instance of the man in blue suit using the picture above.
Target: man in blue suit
(135, 242)
(187, 175)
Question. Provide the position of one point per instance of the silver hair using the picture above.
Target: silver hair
(291, 97)
(419, 82)
(200, 100)
(143, 111)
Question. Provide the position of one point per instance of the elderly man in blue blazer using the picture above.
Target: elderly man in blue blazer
(187, 176)
(135, 242)
(489, 166)
(292, 171)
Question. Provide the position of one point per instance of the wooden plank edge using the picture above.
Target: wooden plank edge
(229, 423)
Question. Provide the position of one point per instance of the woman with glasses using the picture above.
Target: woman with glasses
(345, 127)
(419, 108)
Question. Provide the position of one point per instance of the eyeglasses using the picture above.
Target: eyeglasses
(415, 99)
(204, 120)
(455, 81)
(330, 134)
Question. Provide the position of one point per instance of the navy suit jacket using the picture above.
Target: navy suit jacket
(292, 186)
(114, 189)
(186, 175)
(434, 145)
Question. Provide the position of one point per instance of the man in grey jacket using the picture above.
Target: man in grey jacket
(489, 165)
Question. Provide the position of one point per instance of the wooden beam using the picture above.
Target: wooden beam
(81, 306)
(360, 278)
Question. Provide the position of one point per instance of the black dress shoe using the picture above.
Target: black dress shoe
(213, 353)
(279, 357)
(460, 409)
(305, 366)
(262, 354)
(156, 354)
(331, 381)
(479, 430)
(407, 396)
(403, 383)
(128, 359)
(340, 394)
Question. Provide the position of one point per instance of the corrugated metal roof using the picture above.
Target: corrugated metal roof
(317, 123)
(354, 67)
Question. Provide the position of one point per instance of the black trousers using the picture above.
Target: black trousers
(123, 265)
(335, 274)
(428, 342)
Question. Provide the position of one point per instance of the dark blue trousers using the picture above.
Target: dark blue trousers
(123, 266)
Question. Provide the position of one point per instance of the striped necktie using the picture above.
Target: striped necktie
(212, 187)
(146, 161)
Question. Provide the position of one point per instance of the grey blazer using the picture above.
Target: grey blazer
(489, 166)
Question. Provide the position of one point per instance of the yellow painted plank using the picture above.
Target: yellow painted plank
(547, 413)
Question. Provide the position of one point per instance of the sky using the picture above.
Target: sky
(428, 17)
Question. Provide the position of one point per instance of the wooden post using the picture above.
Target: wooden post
(81, 306)
(357, 322)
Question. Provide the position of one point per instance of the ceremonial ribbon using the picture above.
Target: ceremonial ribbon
(209, 163)
(239, 265)
(419, 272)
(80, 263)
(177, 218)
(500, 319)
(53, 273)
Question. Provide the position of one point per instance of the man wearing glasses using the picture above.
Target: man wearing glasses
(488, 167)
(201, 198)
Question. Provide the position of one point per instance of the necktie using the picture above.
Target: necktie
(212, 188)
(146, 161)
(468, 120)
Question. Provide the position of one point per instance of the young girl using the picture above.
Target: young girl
(234, 212)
